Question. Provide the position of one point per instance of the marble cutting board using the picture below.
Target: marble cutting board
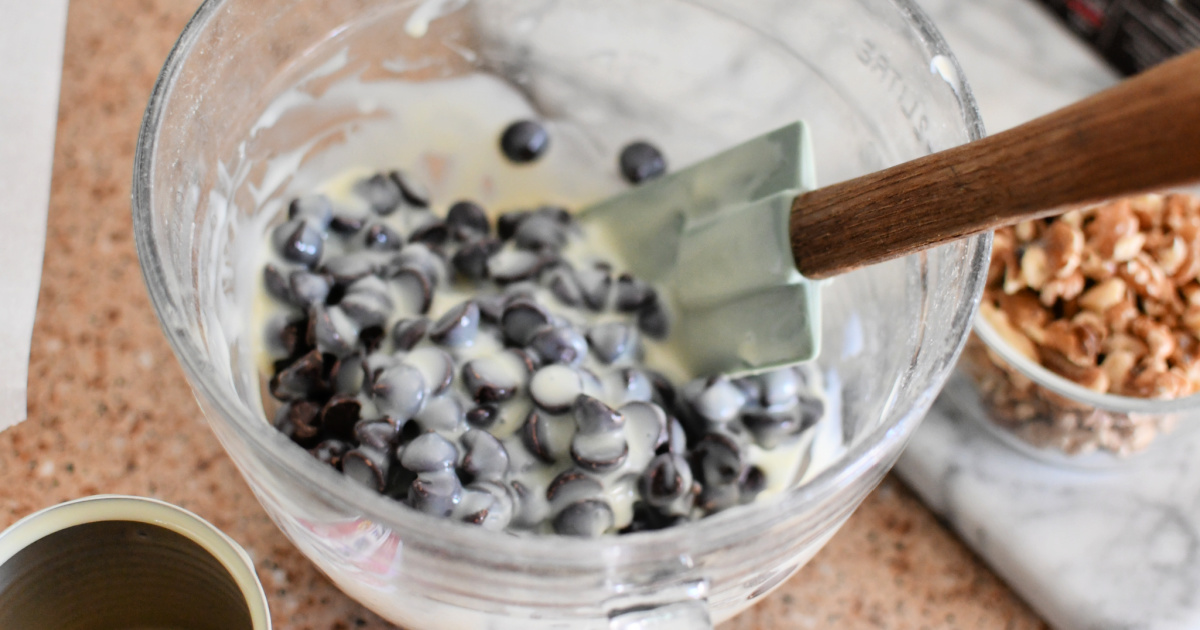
(1088, 550)
(1117, 548)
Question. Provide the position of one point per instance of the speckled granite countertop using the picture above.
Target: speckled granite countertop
(110, 411)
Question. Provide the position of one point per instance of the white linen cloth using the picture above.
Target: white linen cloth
(31, 53)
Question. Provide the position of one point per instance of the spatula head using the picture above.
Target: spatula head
(714, 238)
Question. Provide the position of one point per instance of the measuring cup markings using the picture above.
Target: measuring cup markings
(913, 108)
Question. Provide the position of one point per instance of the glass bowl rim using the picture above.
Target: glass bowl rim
(272, 448)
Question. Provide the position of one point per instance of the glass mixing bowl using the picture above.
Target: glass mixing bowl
(253, 101)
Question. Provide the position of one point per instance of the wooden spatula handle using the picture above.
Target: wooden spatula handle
(1137, 136)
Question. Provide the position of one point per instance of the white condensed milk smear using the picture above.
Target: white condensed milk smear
(444, 135)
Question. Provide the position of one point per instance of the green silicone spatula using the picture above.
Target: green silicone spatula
(714, 237)
(737, 240)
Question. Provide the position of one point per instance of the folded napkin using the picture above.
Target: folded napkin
(31, 51)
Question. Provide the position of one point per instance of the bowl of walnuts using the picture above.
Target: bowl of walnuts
(1087, 344)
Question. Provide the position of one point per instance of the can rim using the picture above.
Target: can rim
(111, 507)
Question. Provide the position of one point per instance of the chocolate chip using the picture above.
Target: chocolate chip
(476, 507)
(668, 478)
(418, 256)
(443, 413)
(299, 420)
(366, 466)
(540, 232)
(493, 379)
(467, 221)
(339, 416)
(329, 363)
(436, 493)
(399, 391)
(558, 213)
(632, 294)
(483, 416)
(436, 367)
(458, 326)
(514, 265)
(594, 284)
(491, 307)
(599, 452)
(307, 288)
(559, 345)
(572, 485)
(496, 514)
(348, 268)
(373, 366)
(812, 409)
(586, 519)
(593, 416)
(433, 233)
(381, 193)
(334, 331)
(717, 399)
(780, 387)
(527, 359)
(407, 333)
(676, 438)
(714, 498)
(276, 284)
(292, 338)
(380, 237)
(301, 379)
(410, 431)
(751, 387)
(522, 318)
(318, 208)
(652, 320)
(646, 424)
(346, 225)
(347, 376)
(471, 260)
(380, 435)
(630, 384)
(664, 391)
(772, 427)
(416, 287)
(610, 341)
(525, 290)
(485, 456)
(535, 436)
(429, 452)
(299, 241)
(412, 191)
(564, 286)
(524, 141)
(330, 452)
(718, 459)
(367, 302)
(555, 388)
(507, 223)
(527, 511)
(753, 483)
(647, 518)
(641, 161)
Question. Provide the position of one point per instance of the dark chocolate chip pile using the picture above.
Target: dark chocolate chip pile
(529, 369)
